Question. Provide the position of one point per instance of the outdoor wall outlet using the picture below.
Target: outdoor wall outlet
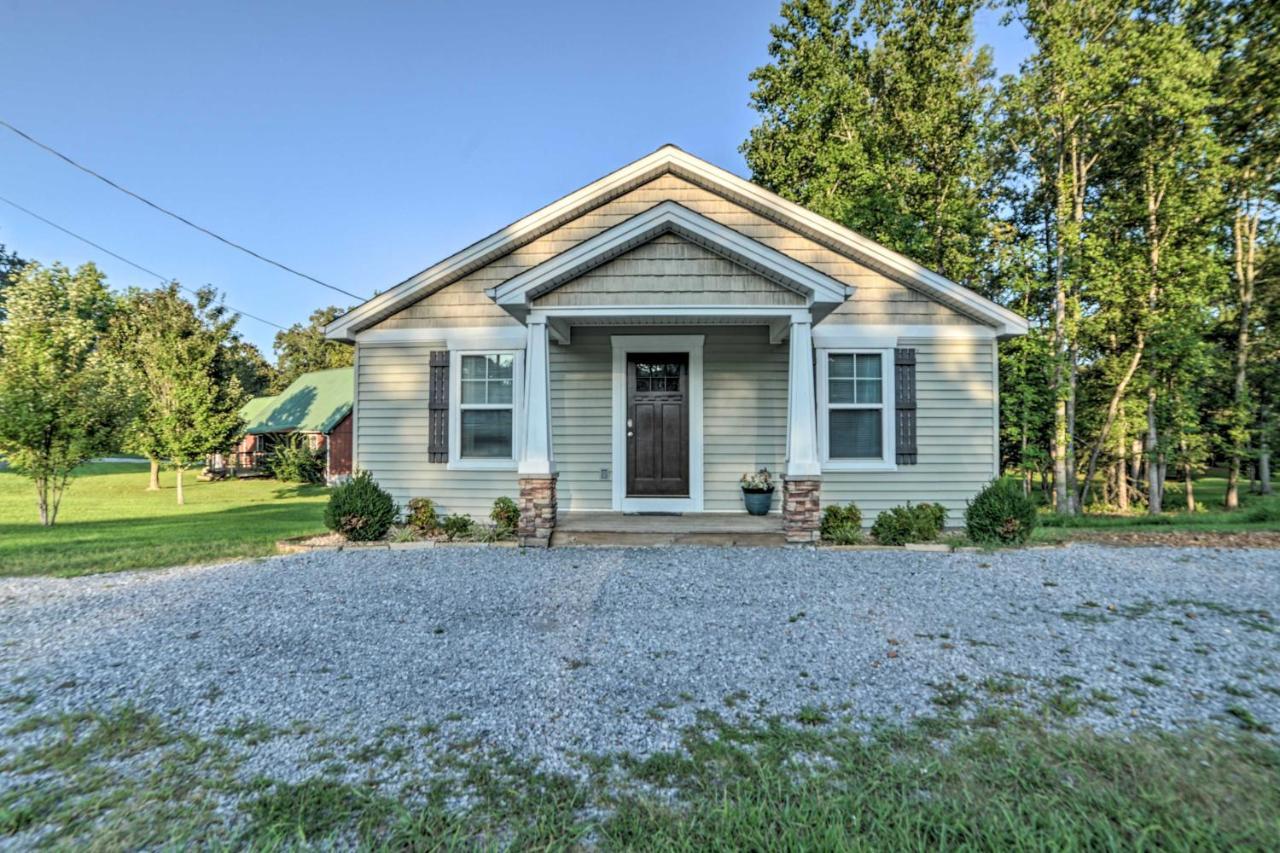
(604, 473)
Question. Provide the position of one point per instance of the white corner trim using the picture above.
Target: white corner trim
(889, 457)
(452, 337)
(456, 462)
(668, 217)
(995, 409)
(621, 345)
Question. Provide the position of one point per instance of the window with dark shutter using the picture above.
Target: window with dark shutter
(438, 407)
(904, 416)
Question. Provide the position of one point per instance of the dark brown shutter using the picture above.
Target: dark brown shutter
(904, 416)
(438, 423)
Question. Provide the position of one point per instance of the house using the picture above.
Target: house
(638, 345)
(317, 405)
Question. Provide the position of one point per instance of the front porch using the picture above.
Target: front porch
(693, 528)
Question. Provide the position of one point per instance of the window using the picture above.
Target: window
(855, 414)
(486, 406)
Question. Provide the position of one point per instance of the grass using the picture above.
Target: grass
(1256, 513)
(109, 522)
(1005, 782)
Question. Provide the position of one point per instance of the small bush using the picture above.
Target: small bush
(1263, 512)
(457, 526)
(294, 461)
(903, 524)
(1000, 515)
(842, 525)
(505, 515)
(422, 515)
(360, 509)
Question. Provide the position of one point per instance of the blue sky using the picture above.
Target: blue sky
(358, 142)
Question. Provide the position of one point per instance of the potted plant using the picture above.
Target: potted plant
(757, 491)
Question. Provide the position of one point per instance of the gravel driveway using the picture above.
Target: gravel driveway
(572, 650)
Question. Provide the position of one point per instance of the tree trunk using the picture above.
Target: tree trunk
(1122, 480)
(1155, 481)
(1264, 452)
(42, 500)
(154, 485)
(1188, 485)
(181, 501)
(1245, 233)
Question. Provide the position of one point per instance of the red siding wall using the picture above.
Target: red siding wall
(340, 448)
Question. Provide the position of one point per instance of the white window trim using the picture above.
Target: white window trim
(456, 461)
(888, 459)
(623, 344)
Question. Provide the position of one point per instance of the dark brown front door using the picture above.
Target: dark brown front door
(658, 425)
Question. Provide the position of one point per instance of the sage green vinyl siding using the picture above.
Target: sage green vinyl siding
(391, 433)
(744, 390)
(955, 434)
(877, 298)
(670, 270)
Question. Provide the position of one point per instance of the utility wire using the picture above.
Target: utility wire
(120, 257)
(168, 212)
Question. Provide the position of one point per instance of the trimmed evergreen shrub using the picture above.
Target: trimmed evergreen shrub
(457, 526)
(1000, 515)
(904, 524)
(842, 525)
(360, 509)
(505, 515)
(294, 461)
(422, 515)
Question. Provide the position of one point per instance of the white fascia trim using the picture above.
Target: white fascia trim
(889, 451)
(454, 337)
(668, 158)
(1009, 322)
(668, 217)
(851, 334)
(456, 462)
(764, 313)
(621, 345)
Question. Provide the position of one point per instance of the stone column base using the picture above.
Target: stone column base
(801, 513)
(537, 510)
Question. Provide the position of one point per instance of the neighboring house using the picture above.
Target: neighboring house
(641, 343)
(317, 405)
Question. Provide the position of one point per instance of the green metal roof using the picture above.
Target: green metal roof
(314, 402)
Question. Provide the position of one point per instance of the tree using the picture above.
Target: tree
(10, 265)
(184, 355)
(873, 114)
(63, 395)
(303, 348)
(255, 373)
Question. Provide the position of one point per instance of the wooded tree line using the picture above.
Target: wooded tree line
(1120, 190)
(85, 372)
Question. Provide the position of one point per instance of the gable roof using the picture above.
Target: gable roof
(668, 217)
(314, 402)
(671, 160)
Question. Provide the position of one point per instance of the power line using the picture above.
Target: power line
(176, 216)
(120, 257)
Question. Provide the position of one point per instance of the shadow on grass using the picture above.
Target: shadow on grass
(84, 547)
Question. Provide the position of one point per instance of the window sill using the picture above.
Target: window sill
(858, 465)
(481, 465)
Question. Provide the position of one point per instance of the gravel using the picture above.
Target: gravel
(559, 652)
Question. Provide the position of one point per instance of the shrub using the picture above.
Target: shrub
(457, 526)
(842, 525)
(1263, 512)
(294, 461)
(360, 509)
(1000, 515)
(422, 515)
(903, 524)
(506, 515)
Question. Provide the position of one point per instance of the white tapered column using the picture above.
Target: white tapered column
(802, 424)
(536, 456)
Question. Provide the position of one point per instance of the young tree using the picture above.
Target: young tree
(184, 354)
(63, 396)
(303, 348)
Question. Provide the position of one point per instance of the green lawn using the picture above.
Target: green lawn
(109, 522)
